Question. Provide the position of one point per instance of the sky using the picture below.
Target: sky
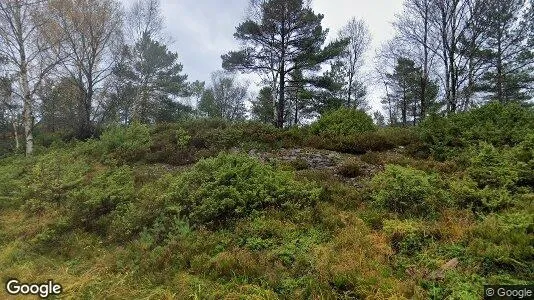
(202, 30)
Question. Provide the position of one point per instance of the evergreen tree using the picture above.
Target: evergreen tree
(510, 58)
(153, 73)
(406, 84)
(287, 36)
(263, 106)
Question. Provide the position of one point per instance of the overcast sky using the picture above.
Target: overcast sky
(202, 30)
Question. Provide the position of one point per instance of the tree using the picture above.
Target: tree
(21, 33)
(196, 90)
(379, 119)
(451, 19)
(225, 98)
(153, 73)
(288, 36)
(60, 109)
(9, 110)
(90, 30)
(144, 18)
(406, 90)
(414, 28)
(352, 58)
(510, 59)
(263, 106)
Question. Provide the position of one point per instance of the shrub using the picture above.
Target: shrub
(11, 178)
(361, 142)
(408, 236)
(232, 186)
(93, 206)
(53, 176)
(354, 265)
(466, 194)
(494, 123)
(372, 158)
(351, 168)
(129, 143)
(523, 155)
(504, 243)
(490, 168)
(171, 144)
(408, 191)
(300, 164)
(344, 121)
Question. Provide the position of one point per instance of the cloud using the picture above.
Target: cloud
(202, 30)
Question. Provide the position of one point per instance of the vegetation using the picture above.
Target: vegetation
(122, 178)
(343, 121)
(212, 221)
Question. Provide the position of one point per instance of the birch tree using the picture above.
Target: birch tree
(353, 58)
(21, 41)
(91, 31)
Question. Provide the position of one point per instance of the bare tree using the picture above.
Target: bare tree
(144, 17)
(21, 29)
(359, 37)
(90, 30)
(413, 27)
(451, 19)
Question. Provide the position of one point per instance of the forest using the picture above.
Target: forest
(281, 177)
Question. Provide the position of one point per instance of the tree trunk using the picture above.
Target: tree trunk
(470, 83)
(351, 78)
(27, 116)
(424, 79)
(282, 92)
(404, 106)
(27, 107)
(296, 111)
(281, 99)
(390, 110)
(500, 93)
(86, 130)
(16, 135)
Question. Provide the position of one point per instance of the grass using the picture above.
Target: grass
(342, 245)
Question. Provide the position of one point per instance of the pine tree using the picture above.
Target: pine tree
(153, 73)
(263, 106)
(510, 58)
(406, 93)
(287, 36)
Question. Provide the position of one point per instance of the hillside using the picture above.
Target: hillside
(207, 209)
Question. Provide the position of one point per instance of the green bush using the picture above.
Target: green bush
(93, 206)
(232, 186)
(523, 155)
(489, 167)
(128, 144)
(408, 191)
(53, 175)
(187, 142)
(466, 193)
(505, 242)
(408, 236)
(11, 180)
(171, 144)
(494, 123)
(382, 139)
(372, 158)
(344, 121)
